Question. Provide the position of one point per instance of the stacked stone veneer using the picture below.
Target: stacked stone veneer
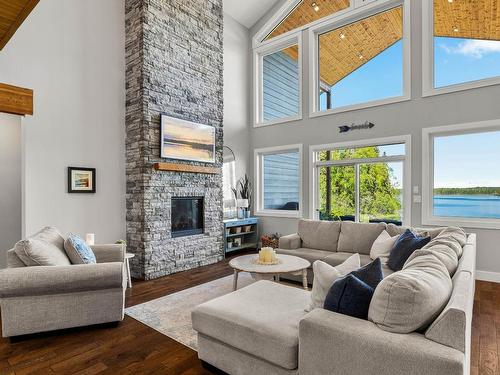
(174, 60)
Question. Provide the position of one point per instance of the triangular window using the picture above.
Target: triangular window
(305, 12)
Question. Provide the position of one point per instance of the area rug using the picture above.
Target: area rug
(171, 315)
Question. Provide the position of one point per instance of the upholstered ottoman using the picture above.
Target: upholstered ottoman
(254, 330)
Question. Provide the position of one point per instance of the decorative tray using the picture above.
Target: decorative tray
(260, 263)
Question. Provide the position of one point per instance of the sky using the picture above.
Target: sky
(457, 60)
(468, 160)
(364, 84)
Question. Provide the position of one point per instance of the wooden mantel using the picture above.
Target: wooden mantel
(187, 168)
(16, 100)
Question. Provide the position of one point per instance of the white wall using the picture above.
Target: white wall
(10, 190)
(72, 53)
(236, 92)
(395, 119)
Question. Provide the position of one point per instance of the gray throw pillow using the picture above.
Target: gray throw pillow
(409, 300)
(45, 248)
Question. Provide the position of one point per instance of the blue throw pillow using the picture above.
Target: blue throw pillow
(406, 244)
(78, 251)
(370, 274)
(349, 296)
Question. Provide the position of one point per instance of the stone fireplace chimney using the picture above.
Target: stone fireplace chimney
(174, 66)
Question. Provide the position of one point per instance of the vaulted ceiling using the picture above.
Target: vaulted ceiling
(248, 12)
(12, 15)
(347, 48)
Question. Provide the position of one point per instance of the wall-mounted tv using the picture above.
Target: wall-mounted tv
(186, 140)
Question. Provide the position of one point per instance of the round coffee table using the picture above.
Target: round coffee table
(286, 264)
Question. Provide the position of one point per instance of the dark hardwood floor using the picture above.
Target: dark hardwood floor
(133, 348)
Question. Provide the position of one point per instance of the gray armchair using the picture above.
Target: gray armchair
(47, 298)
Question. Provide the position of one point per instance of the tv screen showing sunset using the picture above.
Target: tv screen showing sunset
(186, 140)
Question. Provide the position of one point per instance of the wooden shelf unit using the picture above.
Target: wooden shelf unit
(249, 240)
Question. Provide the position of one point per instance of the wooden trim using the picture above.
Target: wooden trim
(16, 100)
(188, 168)
(25, 12)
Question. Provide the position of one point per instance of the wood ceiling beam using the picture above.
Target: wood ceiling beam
(12, 18)
(16, 100)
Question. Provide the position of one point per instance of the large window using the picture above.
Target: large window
(461, 44)
(359, 56)
(361, 62)
(278, 82)
(363, 183)
(278, 180)
(463, 175)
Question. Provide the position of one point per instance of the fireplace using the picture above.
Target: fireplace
(187, 216)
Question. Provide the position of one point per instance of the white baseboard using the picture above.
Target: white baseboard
(493, 277)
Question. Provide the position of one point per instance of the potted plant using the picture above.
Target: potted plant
(243, 193)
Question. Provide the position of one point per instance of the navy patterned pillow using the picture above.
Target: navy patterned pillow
(78, 251)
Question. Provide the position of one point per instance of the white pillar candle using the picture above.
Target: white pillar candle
(90, 239)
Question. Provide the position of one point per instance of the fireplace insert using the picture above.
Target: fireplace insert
(187, 216)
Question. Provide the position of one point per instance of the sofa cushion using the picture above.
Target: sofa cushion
(358, 237)
(261, 319)
(406, 244)
(411, 299)
(325, 275)
(349, 296)
(453, 237)
(395, 230)
(321, 235)
(444, 253)
(311, 255)
(382, 246)
(45, 248)
(78, 251)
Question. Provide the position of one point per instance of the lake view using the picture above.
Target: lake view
(478, 206)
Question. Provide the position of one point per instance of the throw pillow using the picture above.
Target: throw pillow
(406, 244)
(349, 296)
(370, 274)
(325, 275)
(78, 251)
(382, 246)
(44, 248)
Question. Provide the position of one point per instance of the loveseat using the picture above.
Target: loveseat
(264, 328)
(46, 298)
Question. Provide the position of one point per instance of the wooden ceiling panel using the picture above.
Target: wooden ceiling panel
(304, 13)
(471, 19)
(345, 49)
(12, 15)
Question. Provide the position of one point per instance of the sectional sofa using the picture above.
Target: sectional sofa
(264, 328)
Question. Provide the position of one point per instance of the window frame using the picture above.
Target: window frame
(258, 181)
(356, 15)
(314, 165)
(428, 73)
(258, 84)
(428, 135)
